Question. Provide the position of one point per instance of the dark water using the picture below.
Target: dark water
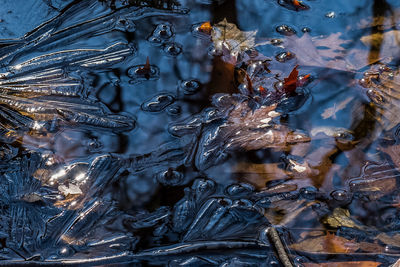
(199, 157)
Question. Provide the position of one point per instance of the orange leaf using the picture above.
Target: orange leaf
(296, 3)
(299, 5)
(329, 243)
(205, 27)
(337, 244)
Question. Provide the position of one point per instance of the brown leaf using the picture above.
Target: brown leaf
(329, 243)
(145, 70)
(394, 153)
(259, 174)
(383, 89)
(389, 240)
(376, 180)
(231, 41)
(314, 233)
(252, 130)
(316, 166)
(341, 217)
(371, 247)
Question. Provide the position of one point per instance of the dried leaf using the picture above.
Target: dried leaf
(314, 233)
(331, 112)
(316, 166)
(341, 217)
(376, 180)
(371, 247)
(228, 39)
(329, 243)
(237, 123)
(145, 70)
(383, 89)
(394, 153)
(259, 174)
(290, 83)
(389, 240)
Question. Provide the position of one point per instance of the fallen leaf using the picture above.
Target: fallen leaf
(227, 38)
(383, 89)
(371, 247)
(145, 70)
(331, 112)
(375, 181)
(316, 167)
(259, 174)
(329, 243)
(237, 124)
(256, 129)
(313, 233)
(394, 153)
(341, 217)
(290, 83)
(393, 240)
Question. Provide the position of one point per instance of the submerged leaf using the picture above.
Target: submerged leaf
(389, 240)
(341, 217)
(237, 126)
(228, 39)
(329, 243)
(383, 89)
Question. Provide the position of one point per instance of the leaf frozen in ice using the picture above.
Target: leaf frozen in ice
(231, 41)
(234, 126)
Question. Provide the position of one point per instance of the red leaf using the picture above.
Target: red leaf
(290, 83)
(145, 70)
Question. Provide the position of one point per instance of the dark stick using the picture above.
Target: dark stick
(275, 240)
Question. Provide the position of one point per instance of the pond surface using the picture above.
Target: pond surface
(200, 133)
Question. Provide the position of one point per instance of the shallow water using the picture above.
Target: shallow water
(133, 134)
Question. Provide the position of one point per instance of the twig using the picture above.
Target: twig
(275, 240)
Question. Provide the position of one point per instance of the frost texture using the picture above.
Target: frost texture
(44, 81)
(235, 123)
